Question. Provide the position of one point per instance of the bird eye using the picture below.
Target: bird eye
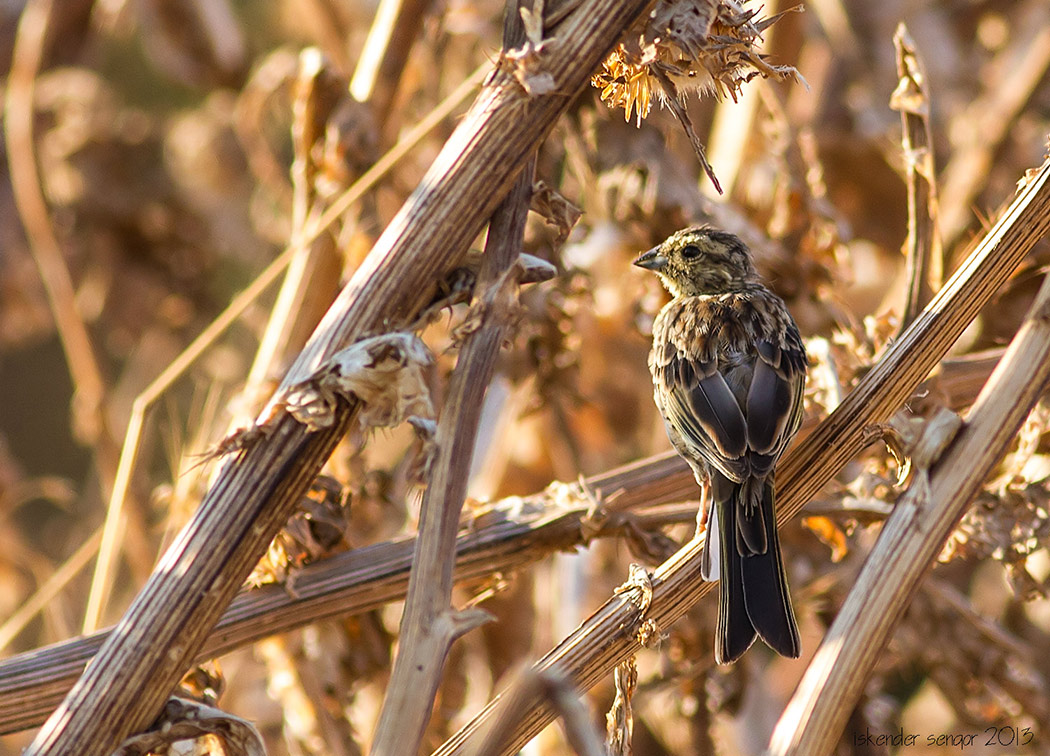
(690, 252)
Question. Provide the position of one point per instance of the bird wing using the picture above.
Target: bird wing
(773, 408)
(732, 399)
(701, 407)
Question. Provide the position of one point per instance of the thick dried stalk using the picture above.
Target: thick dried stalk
(33, 683)
(429, 625)
(127, 684)
(923, 246)
(910, 540)
(312, 280)
(607, 636)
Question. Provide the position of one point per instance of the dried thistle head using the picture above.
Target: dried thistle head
(625, 84)
(702, 45)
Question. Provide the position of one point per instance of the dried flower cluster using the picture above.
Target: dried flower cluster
(705, 47)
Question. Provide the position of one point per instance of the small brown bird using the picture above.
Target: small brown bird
(728, 369)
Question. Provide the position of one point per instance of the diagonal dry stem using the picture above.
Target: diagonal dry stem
(607, 636)
(429, 625)
(511, 536)
(125, 687)
(910, 540)
(396, 25)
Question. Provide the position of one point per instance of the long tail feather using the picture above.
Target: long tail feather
(735, 632)
(753, 597)
(766, 594)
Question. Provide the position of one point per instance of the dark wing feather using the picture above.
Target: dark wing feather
(705, 414)
(774, 399)
(769, 401)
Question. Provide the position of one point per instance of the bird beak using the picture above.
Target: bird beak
(652, 260)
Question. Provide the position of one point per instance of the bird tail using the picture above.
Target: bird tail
(753, 597)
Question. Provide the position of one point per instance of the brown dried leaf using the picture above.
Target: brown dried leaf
(385, 373)
(830, 534)
(527, 62)
(555, 209)
(184, 720)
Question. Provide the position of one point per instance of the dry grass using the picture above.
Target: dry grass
(161, 158)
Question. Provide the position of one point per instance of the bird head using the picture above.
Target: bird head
(700, 260)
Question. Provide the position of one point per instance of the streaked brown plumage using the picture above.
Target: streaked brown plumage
(728, 369)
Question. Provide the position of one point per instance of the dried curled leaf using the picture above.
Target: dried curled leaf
(183, 720)
(830, 534)
(528, 62)
(534, 269)
(555, 209)
(386, 374)
(638, 588)
(704, 45)
(315, 531)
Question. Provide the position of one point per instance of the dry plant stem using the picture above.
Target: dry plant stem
(606, 637)
(579, 730)
(33, 683)
(911, 539)
(925, 265)
(144, 401)
(129, 680)
(1021, 67)
(47, 251)
(312, 280)
(325, 23)
(46, 593)
(397, 24)
(429, 625)
(89, 420)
